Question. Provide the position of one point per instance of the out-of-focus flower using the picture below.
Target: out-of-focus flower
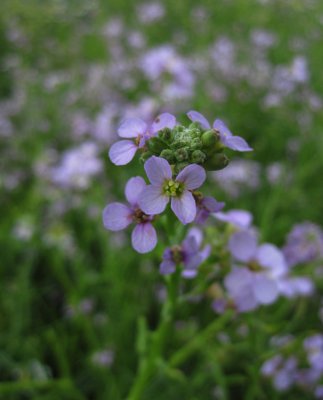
(257, 282)
(188, 254)
(117, 216)
(239, 218)
(154, 198)
(77, 167)
(304, 244)
(226, 137)
(150, 12)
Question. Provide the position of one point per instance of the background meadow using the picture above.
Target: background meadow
(72, 292)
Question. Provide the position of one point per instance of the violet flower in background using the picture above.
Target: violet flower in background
(304, 244)
(257, 282)
(123, 151)
(188, 254)
(226, 137)
(239, 218)
(117, 216)
(155, 197)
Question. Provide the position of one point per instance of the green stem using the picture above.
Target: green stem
(200, 340)
(147, 366)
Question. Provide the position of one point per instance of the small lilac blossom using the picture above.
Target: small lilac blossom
(155, 197)
(255, 283)
(205, 206)
(117, 216)
(188, 254)
(123, 151)
(292, 287)
(226, 137)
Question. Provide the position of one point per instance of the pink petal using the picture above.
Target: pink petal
(184, 207)
(164, 120)
(122, 152)
(144, 238)
(197, 117)
(152, 201)
(133, 189)
(192, 176)
(158, 170)
(116, 216)
(132, 127)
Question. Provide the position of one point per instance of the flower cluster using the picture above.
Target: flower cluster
(175, 158)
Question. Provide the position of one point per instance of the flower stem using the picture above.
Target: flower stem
(147, 366)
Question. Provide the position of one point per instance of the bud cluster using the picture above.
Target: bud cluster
(182, 146)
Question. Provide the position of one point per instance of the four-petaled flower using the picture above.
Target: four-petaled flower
(226, 137)
(117, 216)
(123, 151)
(188, 254)
(154, 198)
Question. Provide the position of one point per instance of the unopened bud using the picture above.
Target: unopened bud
(155, 145)
(198, 157)
(168, 155)
(216, 162)
(181, 154)
(180, 166)
(165, 134)
(209, 138)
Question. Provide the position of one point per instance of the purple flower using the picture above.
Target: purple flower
(304, 244)
(188, 254)
(239, 218)
(206, 206)
(123, 151)
(226, 137)
(155, 197)
(117, 216)
(258, 281)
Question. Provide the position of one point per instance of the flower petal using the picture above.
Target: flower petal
(237, 143)
(222, 128)
(158, 170)
(122, 152)
(269, 256)
(184, 207)
(167, 267)
(164, 120)
(265, 289)
(133, 189)
(212, 205)
(152, 201)
(132, 127)
(197, 117)
(144, 238)
(116, 216)
(243, 245)
(239, 218)
(192, 176)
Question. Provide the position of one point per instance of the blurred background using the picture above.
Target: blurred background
(70, 70)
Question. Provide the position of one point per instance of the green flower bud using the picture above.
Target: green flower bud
(168, 155)
(194, 125)
(216, 161)
(198, 157)
(196, 144)
(165, 134)
(209, 138)
(155, 145)
(180, 166)
(144, 157)
(181, 154)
